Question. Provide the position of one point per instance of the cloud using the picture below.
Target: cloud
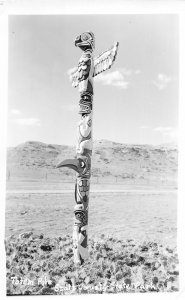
(144, 127)
(118, 78)
(22, 121)
(162, 129)
(129, 72)
(15, 112)
(28, 121)
(114, 78)
(170, 132)
(137, 72)
(162, 81)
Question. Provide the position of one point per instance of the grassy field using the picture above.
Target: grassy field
(132, 238)
(126, 215)
(38, 265)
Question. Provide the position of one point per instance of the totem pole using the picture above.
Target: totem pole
(82, 76)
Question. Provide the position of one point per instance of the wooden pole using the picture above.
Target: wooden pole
(83, 78)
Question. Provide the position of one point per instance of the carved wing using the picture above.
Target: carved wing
(105, 60)
(74, 77)
(82, 71)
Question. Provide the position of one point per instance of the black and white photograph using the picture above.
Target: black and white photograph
(92, 154)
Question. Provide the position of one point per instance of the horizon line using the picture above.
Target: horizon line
(97, 140)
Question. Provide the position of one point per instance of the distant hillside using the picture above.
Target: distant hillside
(109, 159)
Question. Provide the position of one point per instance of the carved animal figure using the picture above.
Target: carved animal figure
(82, 76)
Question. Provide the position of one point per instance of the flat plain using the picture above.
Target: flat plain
(132, 228)
(142, 216)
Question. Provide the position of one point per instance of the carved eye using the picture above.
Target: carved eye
(84, 36)
(82, 164)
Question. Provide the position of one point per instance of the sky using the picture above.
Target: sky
(136, 101)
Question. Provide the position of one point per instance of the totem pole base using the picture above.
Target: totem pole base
(80, 249)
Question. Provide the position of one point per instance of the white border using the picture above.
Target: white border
(43, 7)
(3, 118)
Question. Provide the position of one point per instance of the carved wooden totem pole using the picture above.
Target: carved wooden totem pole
(82, 76)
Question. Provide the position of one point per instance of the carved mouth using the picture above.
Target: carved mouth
(80, 43)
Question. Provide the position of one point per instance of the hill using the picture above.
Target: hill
(123, 161)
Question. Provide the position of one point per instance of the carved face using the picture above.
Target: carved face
(85, 41)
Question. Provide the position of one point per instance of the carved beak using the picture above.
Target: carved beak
(77, 40)
(69, 163)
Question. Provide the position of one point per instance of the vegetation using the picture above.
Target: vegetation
(42, 265)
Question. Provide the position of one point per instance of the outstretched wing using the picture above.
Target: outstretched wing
(105, 60)
(74, 77)
(81, 73)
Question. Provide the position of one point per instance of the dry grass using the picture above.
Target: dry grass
(114, 266)
(140, 216)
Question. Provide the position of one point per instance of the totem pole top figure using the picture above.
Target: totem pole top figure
(88, 67)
